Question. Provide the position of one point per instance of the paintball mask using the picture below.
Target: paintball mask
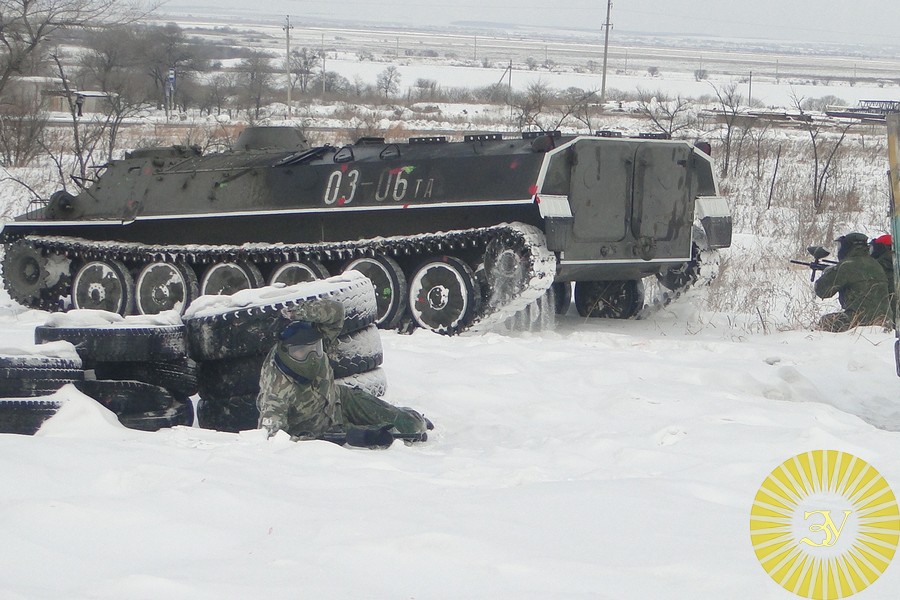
(302, 338)
(850, 241)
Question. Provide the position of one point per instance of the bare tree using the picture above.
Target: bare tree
(388, 81)
(577, 103)
(669, 115)
(161, 49)
(823, 151)
(730, 101)
(25, 25)
(303, 65)
(110, 64)
(530, 105)
(85, 143)
(256, 77)
(21, 126)
(218, 91)
(426, 89)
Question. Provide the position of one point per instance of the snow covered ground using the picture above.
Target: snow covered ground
(599, 459)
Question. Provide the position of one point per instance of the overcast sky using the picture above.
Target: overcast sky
(875, 21)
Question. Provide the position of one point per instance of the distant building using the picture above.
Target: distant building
(50, 94)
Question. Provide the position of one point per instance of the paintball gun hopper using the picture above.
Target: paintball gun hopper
(819, 263)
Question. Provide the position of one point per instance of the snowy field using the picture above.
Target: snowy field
(596, 459)
(600, 459)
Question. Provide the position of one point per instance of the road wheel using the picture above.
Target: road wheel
(444, 296)
(389, 284)
(226, 278)
(103, 285)
(609, 299)
(298, 272)
(162, 286)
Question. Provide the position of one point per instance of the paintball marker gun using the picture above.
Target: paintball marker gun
(819, 263)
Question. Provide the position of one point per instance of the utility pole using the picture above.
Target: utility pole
(323, 66)
(606, 27)
(287, 60)
(750, 91)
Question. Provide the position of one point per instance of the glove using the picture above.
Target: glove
(370, 437)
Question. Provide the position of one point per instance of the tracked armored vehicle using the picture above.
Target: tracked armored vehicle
(452, 234)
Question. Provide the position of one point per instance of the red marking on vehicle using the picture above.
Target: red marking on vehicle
(537, 199)
(406, 206)
(532, 190)
(514, 164)
(146, 171)
(396, 171)
(342, 201)
(344, 168)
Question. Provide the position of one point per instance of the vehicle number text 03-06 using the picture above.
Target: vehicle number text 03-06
(394, 184)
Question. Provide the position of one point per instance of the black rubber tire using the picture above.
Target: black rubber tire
(8, 374)
(114, 344)
(228, 413)
(609, 299)
(180, 412)
(230, 376)
(162, 286)
(295, 272)
(254, 330)
(30, 388)
(179, 376)
(226, 278)
(562, 296)
(389, 285)
(25, 417)
(356, 352)
(31, 361)
(374, 381)
(103, 285)
(138, 405)
(444, 295)
(239, 412)
(350, 354)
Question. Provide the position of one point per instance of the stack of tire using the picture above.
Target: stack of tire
(230, 346)
(25, 380)
(141, 373)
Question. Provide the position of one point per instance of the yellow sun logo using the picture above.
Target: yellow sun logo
(825, 524)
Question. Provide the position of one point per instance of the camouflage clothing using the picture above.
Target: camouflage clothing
(862, 290)
(301, 397)
(884, 254)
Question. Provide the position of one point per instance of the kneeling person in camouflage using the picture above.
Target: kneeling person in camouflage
(298, 394)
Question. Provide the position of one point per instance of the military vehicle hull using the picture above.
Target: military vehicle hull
(514, 215)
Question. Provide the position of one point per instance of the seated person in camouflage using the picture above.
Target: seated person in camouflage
(861, 286)
(298, 394)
